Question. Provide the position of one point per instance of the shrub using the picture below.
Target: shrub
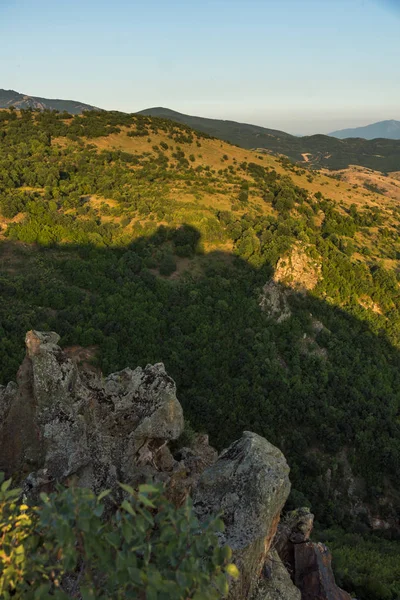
(167, 265)
(147, 548)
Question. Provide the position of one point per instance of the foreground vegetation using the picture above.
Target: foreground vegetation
(149, 242)
(74, 544)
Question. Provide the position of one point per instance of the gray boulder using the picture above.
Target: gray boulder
(249, 484)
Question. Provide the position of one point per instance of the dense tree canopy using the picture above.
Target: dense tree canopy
(98, 247)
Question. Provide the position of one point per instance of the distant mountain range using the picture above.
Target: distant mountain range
(389, 130)
(316, 150)
(11, 98)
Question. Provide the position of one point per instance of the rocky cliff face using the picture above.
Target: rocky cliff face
(64, 423)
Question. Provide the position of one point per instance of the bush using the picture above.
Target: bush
(167, 265)
(147, 548)
(243, 196)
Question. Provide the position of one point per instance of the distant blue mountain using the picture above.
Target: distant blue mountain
(389, 130)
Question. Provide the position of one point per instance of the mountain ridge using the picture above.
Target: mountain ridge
(318, 150)
(12, 98)
(167, 113)
(389, 129)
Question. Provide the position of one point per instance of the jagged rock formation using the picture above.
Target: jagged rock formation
(61, 422)
(275, 582)
(295, 271)
(274, 301)
(308, 563)
(23, 101)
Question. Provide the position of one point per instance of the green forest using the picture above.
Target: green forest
(108, 276)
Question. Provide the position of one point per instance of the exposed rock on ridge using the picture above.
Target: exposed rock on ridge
(59, 421)
(63, 423)
(308, 563)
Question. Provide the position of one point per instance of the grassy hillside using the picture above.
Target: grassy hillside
(269, 291)
(321, 151)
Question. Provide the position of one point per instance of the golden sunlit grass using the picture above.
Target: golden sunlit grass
(197, 201)
(217, 155)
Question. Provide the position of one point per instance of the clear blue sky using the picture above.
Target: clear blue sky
(299, 65)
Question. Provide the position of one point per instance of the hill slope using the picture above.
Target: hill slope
(269, 291)
(11, 98)
(244, 133)
(320, 151)
(383, 129)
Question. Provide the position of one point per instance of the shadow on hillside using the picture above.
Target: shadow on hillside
(320, 385)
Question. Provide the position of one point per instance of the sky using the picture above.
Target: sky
(303, 66)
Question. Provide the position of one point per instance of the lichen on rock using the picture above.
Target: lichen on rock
(60, 422)
(249, 484)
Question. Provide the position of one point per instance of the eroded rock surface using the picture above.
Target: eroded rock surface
(249, 483)
(59, 422)
(275, 582)
(308, 563)
(297, 270)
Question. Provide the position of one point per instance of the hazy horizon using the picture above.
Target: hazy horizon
(302, 66)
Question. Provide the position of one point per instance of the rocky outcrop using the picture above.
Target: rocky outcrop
(249, 483)
(313, 573)
(297, 270)
(59, 422)
(274, 301)
(64, 423)
(308, 563)
(275, 582)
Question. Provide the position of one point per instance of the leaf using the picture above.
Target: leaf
(225, 552)
(127, 488)
(144, 500)
(98, 511)
(148, 489)
(103, 494)
(5, 485)
(127, 531)
(128, 507)
(221, 583)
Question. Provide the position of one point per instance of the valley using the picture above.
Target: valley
(269, 289)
